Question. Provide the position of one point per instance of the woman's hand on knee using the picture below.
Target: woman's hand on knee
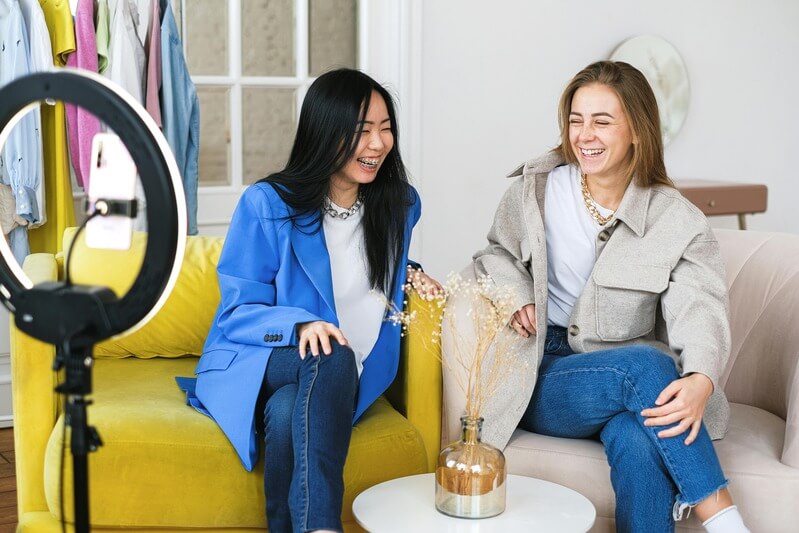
(682, 402)
(314, 334)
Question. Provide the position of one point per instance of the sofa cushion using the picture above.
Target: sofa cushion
(749, 455)
(163, 464)
(169, 333)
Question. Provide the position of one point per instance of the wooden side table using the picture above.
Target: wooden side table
(725, 198)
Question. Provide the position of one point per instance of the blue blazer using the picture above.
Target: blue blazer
(273, 276)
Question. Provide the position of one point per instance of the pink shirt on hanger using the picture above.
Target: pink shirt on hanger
(153, 49)
(82, 125)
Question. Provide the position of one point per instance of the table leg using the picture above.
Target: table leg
(741, 221)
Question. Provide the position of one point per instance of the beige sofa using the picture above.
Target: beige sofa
(760, 453)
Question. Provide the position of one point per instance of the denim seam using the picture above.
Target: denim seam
(307, 401)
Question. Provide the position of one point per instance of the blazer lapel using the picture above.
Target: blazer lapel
(311, 252)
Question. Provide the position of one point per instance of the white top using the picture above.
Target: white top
(571, 241)
(408, 504)
(126, 57)
(359, 310)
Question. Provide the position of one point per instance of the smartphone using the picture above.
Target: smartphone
(112, 177)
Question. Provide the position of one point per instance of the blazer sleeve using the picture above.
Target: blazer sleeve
(695, 308)
(504, 259)
(247, 270)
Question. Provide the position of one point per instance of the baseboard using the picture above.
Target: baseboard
(6, 410)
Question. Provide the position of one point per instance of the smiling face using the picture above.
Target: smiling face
(375, 141)
(600, 135)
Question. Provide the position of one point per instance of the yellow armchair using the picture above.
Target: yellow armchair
(163, 466)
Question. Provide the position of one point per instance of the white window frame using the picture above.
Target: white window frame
(389, 49)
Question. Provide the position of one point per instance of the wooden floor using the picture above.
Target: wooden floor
(8, 482)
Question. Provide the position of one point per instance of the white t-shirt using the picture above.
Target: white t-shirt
(359, 310)
(571, 241)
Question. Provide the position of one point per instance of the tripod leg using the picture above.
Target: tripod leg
(79, 445)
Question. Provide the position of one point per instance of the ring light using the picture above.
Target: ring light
(159, 174)
(76, 317)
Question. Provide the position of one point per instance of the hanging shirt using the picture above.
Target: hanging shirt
(152, 47)
(41, 60)
(571, 234)
(58, 189)
(126, 62)
(359, 310)
(19, 159)
(82, 124)
(142, 18)
(180, 111)
(125, 51)
(103, 35)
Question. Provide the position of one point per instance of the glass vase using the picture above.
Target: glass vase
(470, 475)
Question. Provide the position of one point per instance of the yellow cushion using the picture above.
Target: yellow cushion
(164, 464)
(169, 333)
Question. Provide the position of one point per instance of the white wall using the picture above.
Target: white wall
(492, 73)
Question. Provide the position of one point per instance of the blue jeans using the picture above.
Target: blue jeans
(307, 427)
(600, 395)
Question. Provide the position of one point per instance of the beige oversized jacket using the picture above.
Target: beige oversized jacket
(658, 280)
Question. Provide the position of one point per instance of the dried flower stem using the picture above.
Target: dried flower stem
(484, 347)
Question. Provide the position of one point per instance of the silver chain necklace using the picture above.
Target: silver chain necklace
(331, 210)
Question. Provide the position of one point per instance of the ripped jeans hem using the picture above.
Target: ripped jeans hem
(680, 506)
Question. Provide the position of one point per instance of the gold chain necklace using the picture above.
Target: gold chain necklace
(589, 204)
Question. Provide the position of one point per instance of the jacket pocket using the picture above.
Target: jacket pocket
(627, 297)
(215, 360)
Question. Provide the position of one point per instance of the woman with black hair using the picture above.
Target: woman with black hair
(299, 336)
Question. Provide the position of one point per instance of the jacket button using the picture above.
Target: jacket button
(604, 235)
(280, 337)
(574, 330)
(267, 338)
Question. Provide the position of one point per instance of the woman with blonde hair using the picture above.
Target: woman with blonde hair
(622, 296)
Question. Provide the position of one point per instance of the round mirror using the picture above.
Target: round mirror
(665, 71)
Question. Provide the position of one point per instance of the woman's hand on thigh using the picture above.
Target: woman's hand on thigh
(314, 334)
(523, 321)
(682, 402)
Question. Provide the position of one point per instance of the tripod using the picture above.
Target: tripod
(77, 361)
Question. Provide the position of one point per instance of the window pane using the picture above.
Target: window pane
(207, 37)
(333, 32)
(214, 135)
(269, 123)
(267, 37)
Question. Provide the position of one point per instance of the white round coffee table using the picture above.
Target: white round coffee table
(408, 504)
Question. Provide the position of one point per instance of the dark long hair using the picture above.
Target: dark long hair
(327, 137)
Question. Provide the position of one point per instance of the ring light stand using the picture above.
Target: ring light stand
(76, 317)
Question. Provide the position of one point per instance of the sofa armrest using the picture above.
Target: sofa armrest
(763, 371)
(35, 403)
(416, 392)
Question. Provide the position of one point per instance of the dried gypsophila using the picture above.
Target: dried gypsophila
(478, 362)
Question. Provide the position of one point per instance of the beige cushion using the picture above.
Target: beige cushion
(749, 455)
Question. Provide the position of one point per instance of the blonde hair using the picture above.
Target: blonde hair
(639, 105)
